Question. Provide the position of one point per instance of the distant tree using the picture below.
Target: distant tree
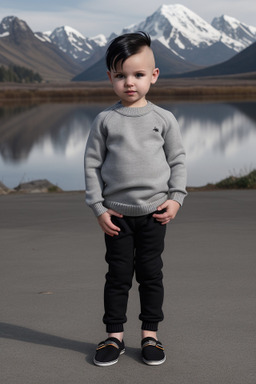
(18, 74)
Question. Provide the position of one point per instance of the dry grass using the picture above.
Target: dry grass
(228, 88)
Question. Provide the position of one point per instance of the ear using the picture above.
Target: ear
(109, 76)
(155, 75)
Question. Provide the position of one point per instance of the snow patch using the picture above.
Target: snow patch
(4, 34)
(100, 40)
(42, 38)
(72, 31)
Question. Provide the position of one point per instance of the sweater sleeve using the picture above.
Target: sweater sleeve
(175, 155)
(93, 160)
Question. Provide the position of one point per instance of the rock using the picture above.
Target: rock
(4, 190)
(37, 186)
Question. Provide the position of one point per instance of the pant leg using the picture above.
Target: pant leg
(120, 259)
(149, 245)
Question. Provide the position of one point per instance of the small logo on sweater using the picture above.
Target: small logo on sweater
(156, 129)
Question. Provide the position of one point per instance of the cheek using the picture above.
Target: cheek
(117, 84)
(145, 85)
(118, 88)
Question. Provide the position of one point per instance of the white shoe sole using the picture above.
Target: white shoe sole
(157, 362)
(108, 363)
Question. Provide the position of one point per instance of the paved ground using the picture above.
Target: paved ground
(52, 268)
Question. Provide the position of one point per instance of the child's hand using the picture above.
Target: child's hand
(106, 224)
(171, 208)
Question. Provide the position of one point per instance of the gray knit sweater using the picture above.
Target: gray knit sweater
(134, 160)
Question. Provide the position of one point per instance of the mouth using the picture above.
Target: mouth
(130, 93)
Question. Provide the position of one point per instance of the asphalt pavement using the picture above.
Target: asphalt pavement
(52, 271)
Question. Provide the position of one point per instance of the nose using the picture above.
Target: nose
(129, 81)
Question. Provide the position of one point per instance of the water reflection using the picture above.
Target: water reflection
(48, 140)
(22, 129)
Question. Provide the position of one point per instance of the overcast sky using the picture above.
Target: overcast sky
(92, 17)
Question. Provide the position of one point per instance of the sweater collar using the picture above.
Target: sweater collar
(133, 111)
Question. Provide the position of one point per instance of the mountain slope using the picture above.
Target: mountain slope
(19, 46)
(243, 62)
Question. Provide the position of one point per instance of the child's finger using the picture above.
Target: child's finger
(114, 213)
(160, 216)
(162, 206)
(112, 227)
(109, 231)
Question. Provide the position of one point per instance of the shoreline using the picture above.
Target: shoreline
(202, 89)
(246, 182)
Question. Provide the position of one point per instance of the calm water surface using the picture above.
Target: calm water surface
(47, 141)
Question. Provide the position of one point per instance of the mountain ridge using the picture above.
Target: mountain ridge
(74, 43)
(235, 29)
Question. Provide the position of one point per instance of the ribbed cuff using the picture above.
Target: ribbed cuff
(114, 328)
(178, 196)
(98, 209)
(146, 326)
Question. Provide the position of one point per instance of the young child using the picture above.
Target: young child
(135, 183)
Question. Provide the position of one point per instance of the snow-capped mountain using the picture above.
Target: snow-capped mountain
(183, 42)
(72, 42)
(19, 46)
(15, 28)
(236, 30)
(188, 35)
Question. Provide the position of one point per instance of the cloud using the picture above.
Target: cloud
(89, 18)
(88, 24)
(38, 6)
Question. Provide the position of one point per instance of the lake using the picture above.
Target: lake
(47, 141)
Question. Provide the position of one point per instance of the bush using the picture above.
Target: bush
(243, 182)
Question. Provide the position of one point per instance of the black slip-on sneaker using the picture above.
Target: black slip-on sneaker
(108, 352)
(152, 351)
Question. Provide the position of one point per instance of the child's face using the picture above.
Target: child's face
(131, 81)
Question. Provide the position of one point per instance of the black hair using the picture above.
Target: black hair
(125, 46)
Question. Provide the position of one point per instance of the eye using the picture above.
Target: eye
(139, 75)
(119, 76)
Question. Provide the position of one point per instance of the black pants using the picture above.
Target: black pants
(138, 248)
